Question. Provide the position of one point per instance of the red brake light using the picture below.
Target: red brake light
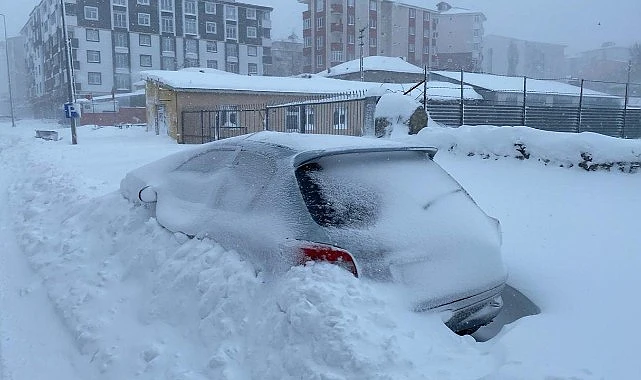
(322, 252)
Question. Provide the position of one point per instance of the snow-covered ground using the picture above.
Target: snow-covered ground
(92, 288)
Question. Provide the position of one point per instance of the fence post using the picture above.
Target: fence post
(425, 89)
(625, 102)
(202, 126)
(266, 118)
(462, 100)
(524, 100)
(578, 129)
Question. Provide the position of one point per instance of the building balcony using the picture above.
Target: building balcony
(336, 27)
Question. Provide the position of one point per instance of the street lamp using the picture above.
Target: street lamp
(6, 50)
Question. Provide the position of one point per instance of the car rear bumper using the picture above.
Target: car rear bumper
(470, 313)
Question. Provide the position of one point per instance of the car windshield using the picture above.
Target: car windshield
(355, 190)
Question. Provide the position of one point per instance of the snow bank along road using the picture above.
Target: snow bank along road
(92, 288)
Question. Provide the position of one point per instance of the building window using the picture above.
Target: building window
(350, 3)
(120, 19)
(411, 48)
(191, 62)
(120, 2)
(351, 39)
(340, 117)
(232, 67)
(121, 39)
(167, 44)
(426, 33)
(231, 32)
(267, 33)
(412, 13)
(94, 78)
(252, 68)
(167, 63)
(372, 41)
(231, 12)
(319, 60)
(166, 5)
(337, 56)
(145, 60)
(190, 7)
(212, 64)
(93, 35)
(320, 5)
(320, 22)
(232, 50)
(320, 42)
(252, 50)
(212, 47)
(477, 32)
(122, 60)
(211, 27)
(167, 24)
(91, 13)
(251, 13)
(372, 22)
(210, 8)
(426, 16)
(351, 19)
(93, 56)
(122, 81)
(307, 41)
(266, 16)
(412, 30)
(144, 40)
(143, 2)
(144, 19)
(372, 5)
(190, 26)
(477, 18)
(307, 23)
(251, 32)
(191, 46)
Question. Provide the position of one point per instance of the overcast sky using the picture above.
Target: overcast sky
(580, 24)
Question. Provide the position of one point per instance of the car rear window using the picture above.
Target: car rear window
(354, 190)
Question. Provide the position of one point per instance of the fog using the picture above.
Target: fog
(580, 24)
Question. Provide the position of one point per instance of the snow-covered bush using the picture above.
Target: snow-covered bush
(398, 115)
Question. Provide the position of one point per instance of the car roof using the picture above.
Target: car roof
(306, 147)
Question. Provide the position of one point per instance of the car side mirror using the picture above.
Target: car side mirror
(147, 195)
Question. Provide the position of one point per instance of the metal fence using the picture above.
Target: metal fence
(616, 113)
(350, 113)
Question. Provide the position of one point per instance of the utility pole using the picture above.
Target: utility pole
(6, 50)
(68, 56)
(361, 44)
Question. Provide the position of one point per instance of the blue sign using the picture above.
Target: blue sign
(72, 110)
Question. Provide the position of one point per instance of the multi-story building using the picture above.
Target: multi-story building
(19, 79)
(515, 57)
(113, 40)
(287, 57)
(336, 31)
(460, 38)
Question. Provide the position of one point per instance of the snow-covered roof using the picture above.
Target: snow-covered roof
(373, 63)
(216, 80)
(499, 83)
(445, 91)
(117, 96)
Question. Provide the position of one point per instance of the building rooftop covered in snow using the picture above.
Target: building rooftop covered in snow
(377, 69)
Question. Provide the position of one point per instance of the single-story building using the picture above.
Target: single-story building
(377, 69)
(197, 105)
(506, 90)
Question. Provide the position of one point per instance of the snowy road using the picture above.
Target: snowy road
(33, 341)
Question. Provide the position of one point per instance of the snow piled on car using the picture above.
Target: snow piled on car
(142, 302)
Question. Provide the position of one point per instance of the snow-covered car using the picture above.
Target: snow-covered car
(383, 210)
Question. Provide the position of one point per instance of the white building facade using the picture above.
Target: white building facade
(113, 40)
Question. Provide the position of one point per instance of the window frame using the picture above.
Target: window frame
(148, 18)
(145, 56)
(96, 60)
(208, 44)
(140, 42)
(210, 7)
(208, 29)
(92, 30)
(254, 34)
(94, 83)
(91, 9)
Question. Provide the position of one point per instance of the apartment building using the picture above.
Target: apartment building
(19, 78)
(335, 31)
(113, 40)
(515, 57)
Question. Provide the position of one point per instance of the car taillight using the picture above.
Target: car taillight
(323, 252)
